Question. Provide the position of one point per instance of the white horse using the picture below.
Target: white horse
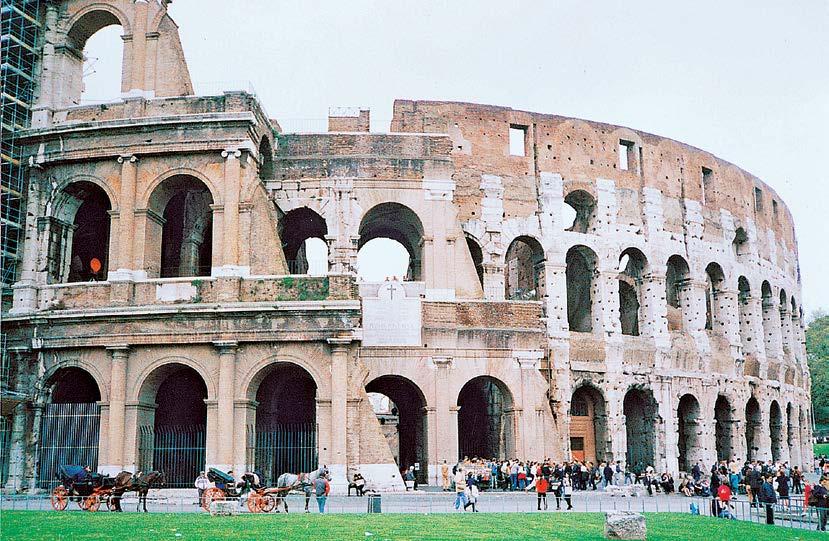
(291, 481)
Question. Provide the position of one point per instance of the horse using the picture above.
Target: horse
(290, 481)
(141, 483)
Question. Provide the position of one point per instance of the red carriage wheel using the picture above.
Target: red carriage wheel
(255, 503)
(92, 503)
(211, 494)
(59, 498)
(267, 503)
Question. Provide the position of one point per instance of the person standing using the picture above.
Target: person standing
(444, 476)
(768, 497)
(783, 487)
(321, 489)
(567, 491)
(797, 477)
(608, 475)
(541, 487)
(471, 492)
(819, 499)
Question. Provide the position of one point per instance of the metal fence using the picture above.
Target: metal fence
(68, 435)
(283, 448)
(178, 451)
(5, 443)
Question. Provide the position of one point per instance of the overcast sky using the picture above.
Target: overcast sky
(745, 80)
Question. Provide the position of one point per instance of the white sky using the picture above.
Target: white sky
(745, 80)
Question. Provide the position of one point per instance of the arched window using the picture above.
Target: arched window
(303, 241)
(744, 306)
(580, 212)
(477, 257)
(524, 268)
(384, 230)
(94, 58)
(740, 243)
(677, 277)
(581, 285)
(266, 170)
(715, 310)
(632, 269)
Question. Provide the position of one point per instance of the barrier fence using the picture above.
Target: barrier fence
(178, 451)
(68, 435)
(790, 515)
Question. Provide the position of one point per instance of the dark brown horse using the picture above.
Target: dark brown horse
(141, 483)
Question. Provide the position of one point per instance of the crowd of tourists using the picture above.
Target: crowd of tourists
(765, 483)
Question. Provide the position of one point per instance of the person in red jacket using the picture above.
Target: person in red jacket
(541, 487)
(723, 499)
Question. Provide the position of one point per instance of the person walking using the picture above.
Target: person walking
(608, 475)
(460, 490)
(471, 492)
(567, 491)
(321, 489)
(819, 499)
(202, 483)
(768, 497)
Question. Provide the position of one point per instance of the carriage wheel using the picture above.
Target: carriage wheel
(255, 503)
(59, 498)
(211, 494)
(267, 504)
(92, 503)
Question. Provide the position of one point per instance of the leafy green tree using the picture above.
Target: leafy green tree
(817, 353)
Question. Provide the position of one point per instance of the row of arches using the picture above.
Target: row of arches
(590, 439)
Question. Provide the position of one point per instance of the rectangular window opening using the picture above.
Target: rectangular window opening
(758, 200)
(627, 156)
(517, 140)
(707, 178)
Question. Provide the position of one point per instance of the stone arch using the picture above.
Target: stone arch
(739, 246)
(295, 228)
(249, 382)
(90, 368)
(524, 269)
(486, 419)
(79, 233)
(582, 289)
(724, 423)
(688, 429)
(776, 430)
(792, 437)
(715, 302)
(785, 323)
(400, 223)
(146, 382)
(677, 292)
(58, 192)
(745, 309)
(477, 254)
(405, 425)
(754, 425)
(72, 385)
(642, 422)
(588, 424)
(90, 18)
(583, 205)
(182, 217)
(770, 319)
(633, 267)
(145, 201)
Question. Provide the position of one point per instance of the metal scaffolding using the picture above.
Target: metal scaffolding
(20, 30)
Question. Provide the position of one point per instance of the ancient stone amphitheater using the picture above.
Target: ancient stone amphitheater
(574, 289)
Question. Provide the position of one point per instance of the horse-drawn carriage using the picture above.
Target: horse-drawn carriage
(86, 488)
(259, 499)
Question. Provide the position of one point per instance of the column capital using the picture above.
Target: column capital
(231, 153)
(442, 361)
(131, 158)
(118, 351)
(226, 346)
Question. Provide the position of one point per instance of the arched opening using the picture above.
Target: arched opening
(401, 410)
(94, 58)
(723, 428)
(588, 425)
(524, 264)
(186, 228)
(632, 269)
(715, 308)
(266, 170)
(172, 424)
(746, 338)
(303, 234)
(485, 419)
(581, 285)
(641, 425)
(687, 414)
(394, 222)
(79, 234)
(286, 422)
(776, 431)
(580, 212)
(740, 243)
(797, 337)
(785, 324)
(69, 424)
(477, 257)
(792, 438)
(770, 320)
(754, 422)
(677, 281)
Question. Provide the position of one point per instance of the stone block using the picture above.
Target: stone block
(224, 508)
(624, 525)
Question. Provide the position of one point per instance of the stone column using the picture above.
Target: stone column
(20, 444)
(606, 303)
(230, 222)
(125, 262)
(227, 383)
(728, 319)
(527, 440)
(771, 331)
(493, 281)
(433, 448)
(45, 106)
(139, 51)
(339, 410)
(446, 424)
(244, 432)
(117, 408)
(655, 309)
(755, 330)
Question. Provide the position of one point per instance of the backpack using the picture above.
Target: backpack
(694, 509)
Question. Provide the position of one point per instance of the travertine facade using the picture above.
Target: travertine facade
(659, 325)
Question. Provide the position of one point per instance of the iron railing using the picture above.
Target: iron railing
(285, 448)
(69, 434)
(178, 451)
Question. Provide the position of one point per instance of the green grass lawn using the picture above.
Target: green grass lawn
(54, 526)
(822, 449)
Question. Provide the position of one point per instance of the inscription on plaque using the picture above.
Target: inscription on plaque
(391, 315)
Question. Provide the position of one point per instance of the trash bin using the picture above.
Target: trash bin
(374, 503)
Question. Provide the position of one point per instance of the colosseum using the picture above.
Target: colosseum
(588, 291)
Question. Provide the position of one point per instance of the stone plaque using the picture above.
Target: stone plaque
(391, 314)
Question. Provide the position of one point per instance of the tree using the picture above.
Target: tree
(817, 354)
